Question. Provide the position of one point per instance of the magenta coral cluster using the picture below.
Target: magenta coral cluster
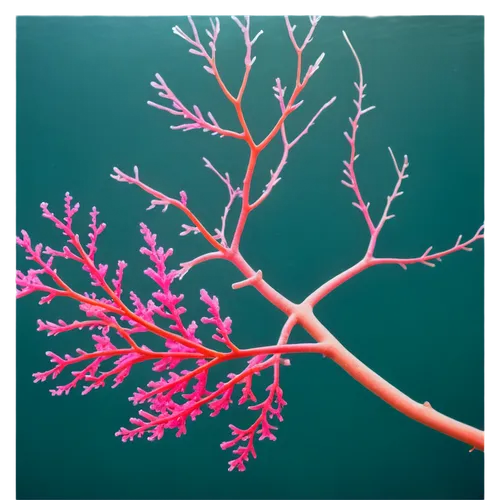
(182, 393)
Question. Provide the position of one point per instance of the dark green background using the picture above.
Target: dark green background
(82, 89)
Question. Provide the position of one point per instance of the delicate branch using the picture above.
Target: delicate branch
(223, 326)
(369, 261)
(212, 66)
(196, 120)
(349, 172)
(61, 326)
(401, 173)
(427, 256)
(234, 193)
(199, 49)
(165, 201)
(249, 60)
(287, 146)
(299, 83)
(212, 69)
(187, 266)
(314, 20)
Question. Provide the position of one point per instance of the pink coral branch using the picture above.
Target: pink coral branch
(187, 266)
(427, 256)
(31, 283)
(255, 149)
(162, 386)
(195, 119)
(234, 193)
(173, 415)
(179, 109)
(314, 20)
(287, 146)
(61, 326)
(349, 172)
(165, 201)
(199, 50)
(222, 326)
(249, 60)
(260, 427)
(212, 69)
(184, 392)
(369, 261)
(401, 173)
(300, 83)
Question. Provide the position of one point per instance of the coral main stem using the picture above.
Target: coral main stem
(330, 347)
(423, 413)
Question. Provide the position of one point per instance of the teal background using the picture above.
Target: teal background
(82, 89)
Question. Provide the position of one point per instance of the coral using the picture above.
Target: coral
(188, 384)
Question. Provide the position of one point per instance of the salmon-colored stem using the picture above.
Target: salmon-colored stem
(330, 347)
(421, 412)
